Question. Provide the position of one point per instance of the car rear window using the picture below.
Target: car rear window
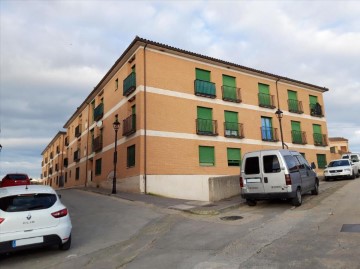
(271, 164)
(17, 176)
(252, 166)
(27, 202)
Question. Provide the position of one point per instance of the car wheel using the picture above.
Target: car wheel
(251, 202)
(315, 191)
(326, 179)
(297, 200)
(66, 245)
(353, 175)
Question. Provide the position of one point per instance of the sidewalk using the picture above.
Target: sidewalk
(193, 207)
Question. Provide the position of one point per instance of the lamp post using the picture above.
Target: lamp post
(116, 126)
(279, 115)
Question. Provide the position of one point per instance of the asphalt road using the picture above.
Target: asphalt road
(113, 233)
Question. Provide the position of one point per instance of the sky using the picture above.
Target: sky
(53, 53)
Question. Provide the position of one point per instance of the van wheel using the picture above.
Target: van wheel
(251, 202)
(297, 200)
(315, 191)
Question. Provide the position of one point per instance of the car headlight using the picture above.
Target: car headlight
(347, 170)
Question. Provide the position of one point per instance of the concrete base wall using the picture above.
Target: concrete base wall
(223, 187)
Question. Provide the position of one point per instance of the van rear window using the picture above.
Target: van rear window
(27, 202)
(271, 164)
(252, 166)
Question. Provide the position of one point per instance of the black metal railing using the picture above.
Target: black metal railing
(233, 129)
(320, 139)
(129, 84)
(206, 127)
(97, 143)
(129, 125)
(231, 94)
(295, 106)
(298, 137)
(205, 88)
(99, 112)
(269, 134)
(78, 131)
(316, 110)
(266, 100)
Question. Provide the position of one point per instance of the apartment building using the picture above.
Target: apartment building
(339, 145)
(186, 117)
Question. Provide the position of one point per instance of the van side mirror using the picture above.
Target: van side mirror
(313, 166)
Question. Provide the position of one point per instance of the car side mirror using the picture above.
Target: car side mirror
(313, 166)
(30, 179)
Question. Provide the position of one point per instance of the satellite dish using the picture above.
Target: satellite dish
(99, 124)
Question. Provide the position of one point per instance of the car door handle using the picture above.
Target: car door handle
(265, 179)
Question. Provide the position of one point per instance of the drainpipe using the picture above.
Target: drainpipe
(277, 93)
(145, 127)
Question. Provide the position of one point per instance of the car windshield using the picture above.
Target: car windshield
(27, 202)
(339, 163)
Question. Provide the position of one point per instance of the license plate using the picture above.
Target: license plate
(27, 241)
(253, 180)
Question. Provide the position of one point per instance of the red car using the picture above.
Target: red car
(15, 180)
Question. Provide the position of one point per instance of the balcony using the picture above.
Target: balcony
(97, 144)
(205, 88)
(231, 94)
(266, 100)
(269, 134)
(295, 106)
(298, 137)
(99, 112)
(78, 131)
(206, 127)
(320, 140)
(233, 129)
(129, 84)
(316, 110)
(129, 125)
(77, 156)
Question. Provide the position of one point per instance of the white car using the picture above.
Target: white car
(32, 216)
(355, 158)
(342, 168)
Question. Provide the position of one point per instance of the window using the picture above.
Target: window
(131, 156)
(265, 99)
(333, 149)
(230, 92)
(296, 133)
(234, 156)
(293, 103)
(252, 166)
(292, 163)
(231, 124)
(317, 134)
(77, 173)
(271, 164)
(267, 132)
(321, 160)
(98, 167)
(203, 75)
(116, 84)
(203, 86)
(204, 123)
(206, 156)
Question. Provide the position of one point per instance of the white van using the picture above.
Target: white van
(273, 174)
(355, 158)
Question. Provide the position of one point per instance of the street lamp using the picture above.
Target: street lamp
(279, 115)
(116, 126)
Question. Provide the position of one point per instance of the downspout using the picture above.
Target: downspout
(277, 93)
(145, 122)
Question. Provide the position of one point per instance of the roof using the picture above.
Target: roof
(138, 42)
(338, 139)
(52, 141)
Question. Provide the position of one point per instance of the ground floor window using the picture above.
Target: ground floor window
(234, 156)
(321, 160)
(98, 167)
(206, 156)
(77, 173)
(130, 156)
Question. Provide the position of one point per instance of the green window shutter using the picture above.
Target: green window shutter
(202, 74)
(204, 113)
(231, 116)
(231, 123)
(317, 129)
(292, 95)
(229, 81)
(130, 156)
(98, 167)
(264, 94)
(295, 126)
(293, 102)
(263, 88)
(206, 156)
(296, 132)
(204, 120)
(317, 134)
(321, 160)
(313, 99)
(234, 156)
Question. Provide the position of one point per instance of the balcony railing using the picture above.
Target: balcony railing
(129, 125)
(205, 88)
(77, 156)
(320, 139)
(233, 129)
(99, 112)
(295, 106)
(298, 137)
(206, 127)
(266, 100)
(316, 110)
(78, 131)
(269, 134)
(231, 94)
(129, 84)
(97, 144)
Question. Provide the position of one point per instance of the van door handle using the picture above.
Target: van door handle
(265, 179)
